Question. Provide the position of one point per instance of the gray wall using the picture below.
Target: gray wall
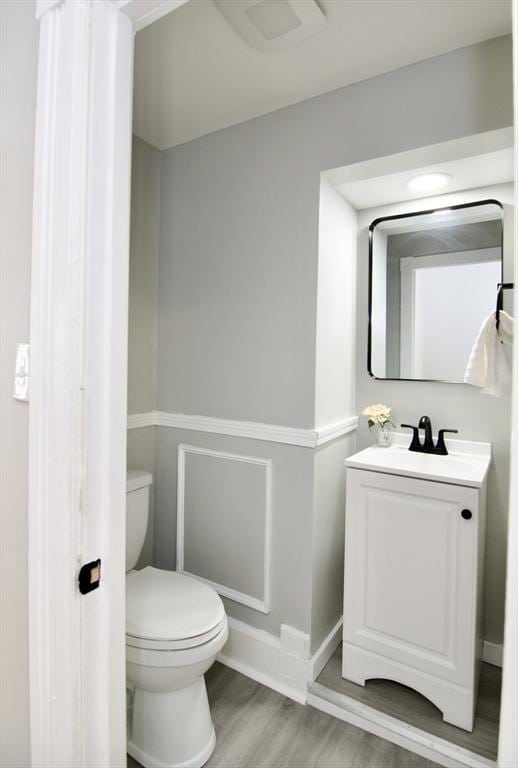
(142, 327)
(19, 51)
(141, 454)
(231, 247)
(143, 285)
(225, 512)
(238, 301)
(476, 416)
(238, 293)
(239, 228)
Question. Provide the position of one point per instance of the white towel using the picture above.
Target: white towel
(490, 362)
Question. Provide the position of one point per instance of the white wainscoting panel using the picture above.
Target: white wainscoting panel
(215, 496)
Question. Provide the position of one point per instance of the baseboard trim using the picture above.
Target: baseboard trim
(396, 731)
(260, 656)
(326, 649)
(493, 653)
(272, 433)
(270, 660)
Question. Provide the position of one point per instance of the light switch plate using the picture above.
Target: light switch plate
(21, 373)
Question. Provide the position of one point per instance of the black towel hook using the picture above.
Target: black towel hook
(501, 287)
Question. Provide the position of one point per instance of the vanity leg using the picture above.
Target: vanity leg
(460, 711)
(352, 671)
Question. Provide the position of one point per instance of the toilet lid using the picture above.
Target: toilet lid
(165, 605)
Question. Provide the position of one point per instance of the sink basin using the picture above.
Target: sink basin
(466, 464)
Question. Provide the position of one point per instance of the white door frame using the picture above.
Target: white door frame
(77, 432)
(508, 737)
(77, 428)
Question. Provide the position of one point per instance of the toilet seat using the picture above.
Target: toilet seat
(151, 644)
(168, 611)
(177, 657)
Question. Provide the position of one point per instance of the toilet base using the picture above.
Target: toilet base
(150, 762)
(172, 730)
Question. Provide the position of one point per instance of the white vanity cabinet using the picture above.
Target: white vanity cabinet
(414, 552)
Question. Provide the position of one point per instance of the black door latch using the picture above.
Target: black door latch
(89, 576)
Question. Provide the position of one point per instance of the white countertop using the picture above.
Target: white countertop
(467, 462)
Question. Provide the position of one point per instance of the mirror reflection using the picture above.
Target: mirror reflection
(433, 281)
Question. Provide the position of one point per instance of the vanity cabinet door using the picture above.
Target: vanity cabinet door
(410, 580)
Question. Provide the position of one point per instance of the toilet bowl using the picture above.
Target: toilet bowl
(175, 627)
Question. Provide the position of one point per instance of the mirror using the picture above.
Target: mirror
(433, 279)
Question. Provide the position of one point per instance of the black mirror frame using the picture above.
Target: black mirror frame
(372, 226)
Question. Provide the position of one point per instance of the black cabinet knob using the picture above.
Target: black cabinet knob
(466, 514)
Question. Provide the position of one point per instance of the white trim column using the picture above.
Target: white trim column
(508, 737)
(78, 383)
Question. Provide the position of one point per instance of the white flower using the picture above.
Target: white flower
(377, 410)
(378, 414)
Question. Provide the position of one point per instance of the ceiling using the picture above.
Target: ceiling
(482, 170)
(195, 74)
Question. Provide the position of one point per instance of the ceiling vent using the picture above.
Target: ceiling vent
(274, 25)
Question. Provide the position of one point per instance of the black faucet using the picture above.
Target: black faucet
(428, 446)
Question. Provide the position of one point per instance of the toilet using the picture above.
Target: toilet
(175, 627)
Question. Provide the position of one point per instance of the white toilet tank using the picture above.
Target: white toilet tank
(137, 513)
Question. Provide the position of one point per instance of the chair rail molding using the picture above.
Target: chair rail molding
(262, 605)
(141, 420)
(270, 433)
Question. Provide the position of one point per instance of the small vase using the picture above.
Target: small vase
(383, 437)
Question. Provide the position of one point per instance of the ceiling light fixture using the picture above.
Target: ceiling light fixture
(429, 182)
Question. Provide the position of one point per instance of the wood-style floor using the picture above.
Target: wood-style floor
(258, 728)
(407, 705)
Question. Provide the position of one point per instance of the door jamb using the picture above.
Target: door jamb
(77, 416)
